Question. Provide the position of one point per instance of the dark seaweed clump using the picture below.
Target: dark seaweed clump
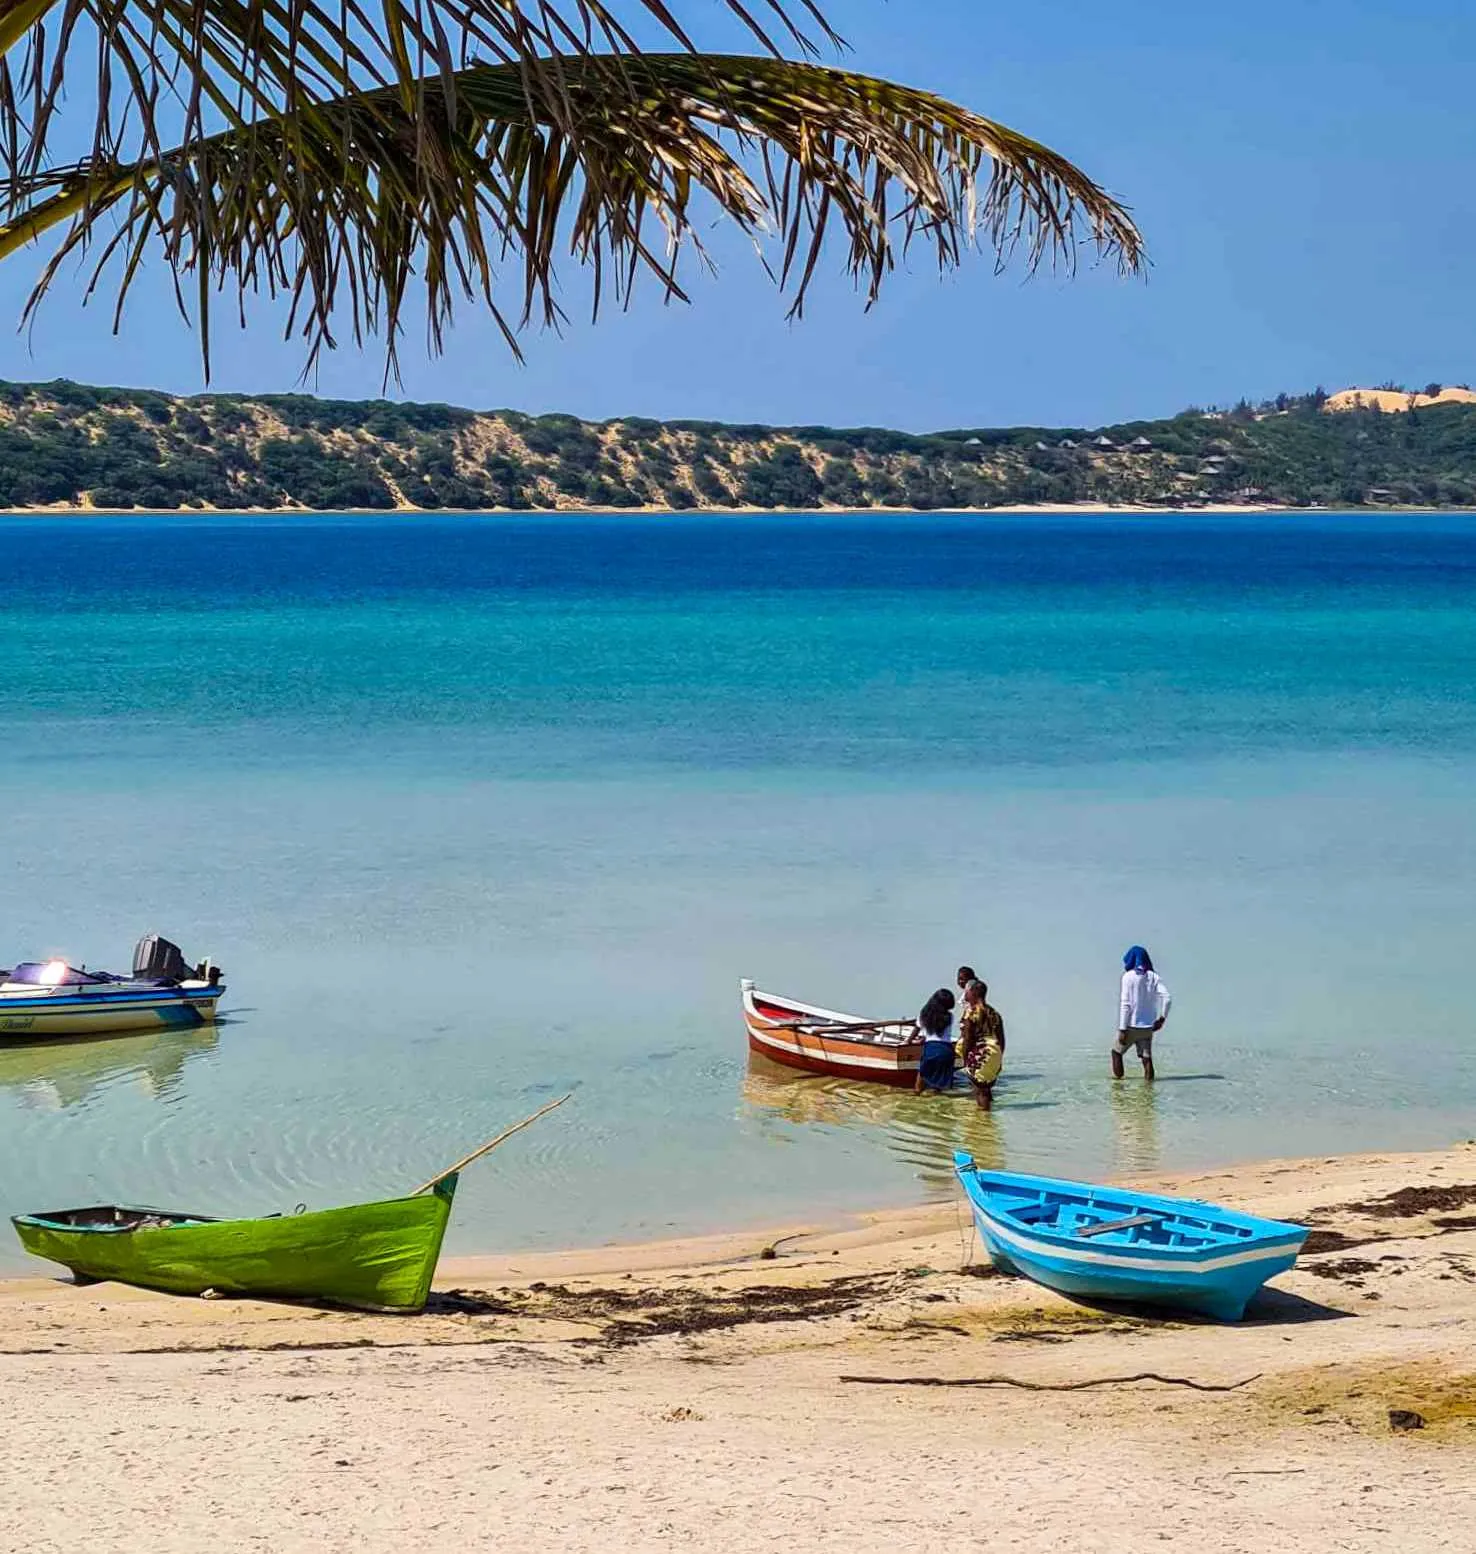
(628, 1316)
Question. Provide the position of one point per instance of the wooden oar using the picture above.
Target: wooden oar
(837, 1025)
(491, 1144)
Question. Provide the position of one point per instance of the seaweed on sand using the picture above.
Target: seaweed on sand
(1407, 1203)
(629, 1316)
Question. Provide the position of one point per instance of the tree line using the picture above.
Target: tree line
(76, 445)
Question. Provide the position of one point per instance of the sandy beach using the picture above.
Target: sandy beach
(706, 1393)
(409, 509)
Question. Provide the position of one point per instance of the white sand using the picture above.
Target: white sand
(140, 1422)
(1392, 401)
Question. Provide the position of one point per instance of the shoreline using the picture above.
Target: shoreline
(699, 1394)
(864, 1230)
(1102, 509)
(1275, 1187)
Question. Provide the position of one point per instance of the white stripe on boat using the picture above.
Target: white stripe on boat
(855, 1060)
(1169, 1263)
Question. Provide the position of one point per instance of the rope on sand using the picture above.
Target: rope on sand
(1051, 1386)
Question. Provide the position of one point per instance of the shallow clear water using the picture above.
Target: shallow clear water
(476, 811)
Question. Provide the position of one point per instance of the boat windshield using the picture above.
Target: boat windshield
(52, 973)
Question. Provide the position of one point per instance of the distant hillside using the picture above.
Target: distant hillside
(64, 444)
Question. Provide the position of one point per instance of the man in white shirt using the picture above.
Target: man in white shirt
(1143, 1008)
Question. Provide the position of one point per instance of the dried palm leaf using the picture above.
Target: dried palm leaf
(342, 203)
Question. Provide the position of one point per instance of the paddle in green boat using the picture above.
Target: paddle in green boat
(372, 1256)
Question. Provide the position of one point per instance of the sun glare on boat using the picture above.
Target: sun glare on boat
(53, 973)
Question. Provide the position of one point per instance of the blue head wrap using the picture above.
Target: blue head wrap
(1137, 959)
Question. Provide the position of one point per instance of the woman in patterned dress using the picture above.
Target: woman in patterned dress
(982, 1036)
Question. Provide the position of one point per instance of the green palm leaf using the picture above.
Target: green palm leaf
(343, 202)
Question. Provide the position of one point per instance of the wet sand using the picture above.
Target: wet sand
(701, 1393)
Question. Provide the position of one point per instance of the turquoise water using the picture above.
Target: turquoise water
(477, 811)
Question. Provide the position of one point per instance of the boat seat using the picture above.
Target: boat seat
(1129, 1222)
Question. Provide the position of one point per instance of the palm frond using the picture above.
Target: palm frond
(342, 204)
(162, 72)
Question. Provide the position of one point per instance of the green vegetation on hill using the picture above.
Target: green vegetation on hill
(66, 443)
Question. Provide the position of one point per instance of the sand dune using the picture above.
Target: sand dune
(1396, 399)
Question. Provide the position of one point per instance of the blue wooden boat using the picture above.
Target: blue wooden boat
(1110, 1243)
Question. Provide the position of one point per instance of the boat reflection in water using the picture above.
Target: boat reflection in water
(923, 1131)
(54, 1075)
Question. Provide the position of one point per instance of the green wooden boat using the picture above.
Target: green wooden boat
(373, 1256)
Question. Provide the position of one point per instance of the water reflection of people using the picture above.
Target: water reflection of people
(1135, 1128)
(923, 1134)
(63, 1073)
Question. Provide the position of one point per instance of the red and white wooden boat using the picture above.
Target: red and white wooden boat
(825, 1041)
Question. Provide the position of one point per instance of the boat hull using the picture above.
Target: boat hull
(1215, 1281)
(793, 1034)
(45, 1018)
(372, 1256)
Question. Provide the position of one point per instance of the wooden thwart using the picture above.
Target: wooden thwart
(491, 1144)
(1131, 1222)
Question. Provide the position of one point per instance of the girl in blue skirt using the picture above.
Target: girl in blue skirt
(935, 1026)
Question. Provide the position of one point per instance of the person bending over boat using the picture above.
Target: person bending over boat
(1144, 1007)
(967, 974)
(935, 1027)
(981, 1027)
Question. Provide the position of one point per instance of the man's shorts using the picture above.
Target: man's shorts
(1140, 1036)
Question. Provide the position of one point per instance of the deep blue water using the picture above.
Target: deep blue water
(872, 644)
(476, 808)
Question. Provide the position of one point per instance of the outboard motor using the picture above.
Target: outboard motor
(157, 960)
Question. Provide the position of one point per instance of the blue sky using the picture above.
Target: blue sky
(1302, 171)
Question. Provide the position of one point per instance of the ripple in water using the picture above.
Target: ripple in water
(515, 834)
